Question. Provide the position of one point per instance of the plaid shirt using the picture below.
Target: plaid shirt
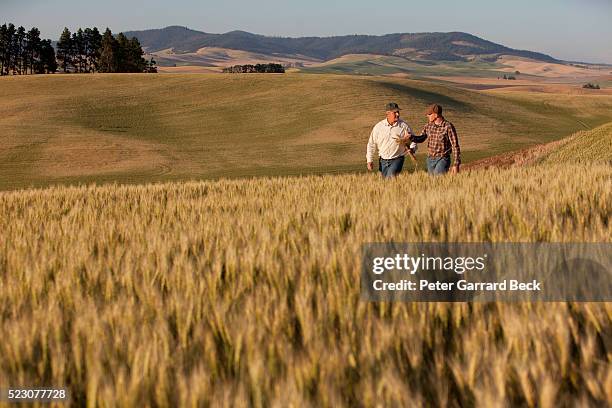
(442, 139)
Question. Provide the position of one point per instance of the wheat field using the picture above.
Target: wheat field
(246, 292)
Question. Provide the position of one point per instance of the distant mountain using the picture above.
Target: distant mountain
(453, 46)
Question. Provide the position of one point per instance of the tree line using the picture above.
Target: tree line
(83, 51)
(259, 68)
(591, 86)
(89, 51)
(23, 52)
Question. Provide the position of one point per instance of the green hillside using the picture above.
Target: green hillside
(143, 128)
(585, 147)
(367, 64)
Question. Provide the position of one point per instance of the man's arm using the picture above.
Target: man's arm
(371, 150)
(454, 140)
(419, 138)
(405, 140)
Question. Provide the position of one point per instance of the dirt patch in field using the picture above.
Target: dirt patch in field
(72, 154)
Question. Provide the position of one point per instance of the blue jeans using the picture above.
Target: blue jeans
(391, 167)
(438, 165)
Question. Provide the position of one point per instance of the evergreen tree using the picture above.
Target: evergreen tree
(86, 49)
(3, 47)
(10, 48)
(24, 52)
(64, 50)
(47, 64)
(108, 52)
(78, 50)
(21, 51)
(33, 48)
(134, 54)
(121, 53)
(95, 44)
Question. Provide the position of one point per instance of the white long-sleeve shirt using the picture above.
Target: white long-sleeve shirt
(384, 140)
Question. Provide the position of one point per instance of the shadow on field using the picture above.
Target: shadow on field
(427, 97)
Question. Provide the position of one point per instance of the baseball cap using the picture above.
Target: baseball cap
(392, 106)
(435, 108)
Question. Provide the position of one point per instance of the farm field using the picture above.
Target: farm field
(152, 128)
(476, 69)
(180, 229)
(368, 64)
(246, 292)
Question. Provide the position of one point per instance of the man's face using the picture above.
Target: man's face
(432, 117)
(392, 116)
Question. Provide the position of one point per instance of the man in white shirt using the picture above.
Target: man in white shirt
(386, 138)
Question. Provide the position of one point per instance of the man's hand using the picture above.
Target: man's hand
(455, 169)
(370, 166)
(403, 140)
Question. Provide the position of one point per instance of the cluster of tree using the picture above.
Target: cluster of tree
(591, 86)
(259, 68)
(511, 77)
(89, 51)
(24, 52)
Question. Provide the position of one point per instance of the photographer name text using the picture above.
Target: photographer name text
(462, 285)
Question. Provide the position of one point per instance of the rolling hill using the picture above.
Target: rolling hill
(452, 46)
(587, 146)
(143, 128)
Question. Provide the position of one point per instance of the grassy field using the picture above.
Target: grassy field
(367, 64)
(589, 146)
(144, 128)
(371, 64)
(584, 147)
(246, 292)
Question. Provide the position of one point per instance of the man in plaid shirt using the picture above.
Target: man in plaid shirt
(442, 140)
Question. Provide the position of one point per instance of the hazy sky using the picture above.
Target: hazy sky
(566, 29)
